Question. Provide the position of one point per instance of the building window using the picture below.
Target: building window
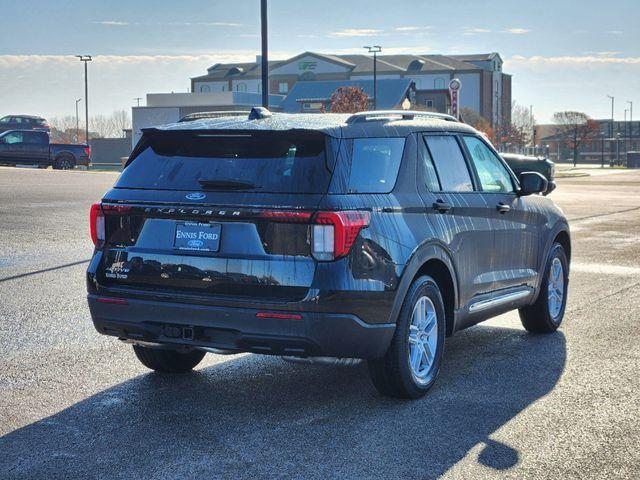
(225, 87)
(241, 87)
(438, 83)
(283, 87)
(429, 103)
(205, 88)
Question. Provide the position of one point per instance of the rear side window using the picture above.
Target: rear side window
(274, 162)
(450, 163)
(374, 164)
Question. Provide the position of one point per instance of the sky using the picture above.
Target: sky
(563, 55)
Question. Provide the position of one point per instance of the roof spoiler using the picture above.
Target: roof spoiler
(259, 113)
(388, 115)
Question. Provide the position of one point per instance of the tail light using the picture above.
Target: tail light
(333, 233)
(87, 151)
(96, 222)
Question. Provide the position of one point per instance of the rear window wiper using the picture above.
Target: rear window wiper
(225, 185)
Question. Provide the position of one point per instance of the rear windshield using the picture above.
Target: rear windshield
(277, 162)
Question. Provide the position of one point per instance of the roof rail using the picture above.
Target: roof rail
(387, 115)
(191, 117)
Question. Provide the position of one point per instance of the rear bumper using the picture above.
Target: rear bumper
(315, 334)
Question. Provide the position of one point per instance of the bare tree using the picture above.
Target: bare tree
(574, 129)
(121, 121)
(349, 100)
(523, 120)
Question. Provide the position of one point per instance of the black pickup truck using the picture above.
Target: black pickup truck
(32, 147)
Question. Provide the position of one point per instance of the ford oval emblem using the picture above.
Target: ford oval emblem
(195, 243)
(195, 196)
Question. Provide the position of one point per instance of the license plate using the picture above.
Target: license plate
(199, 237)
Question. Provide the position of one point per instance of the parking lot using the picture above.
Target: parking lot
(75, 404)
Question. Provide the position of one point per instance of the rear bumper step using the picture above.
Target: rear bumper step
(315, 334)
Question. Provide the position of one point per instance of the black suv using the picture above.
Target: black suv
(370, 236)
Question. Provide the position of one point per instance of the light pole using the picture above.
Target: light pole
(265, 54)
(86, 59)
(533, 127)
(630, 121)
(77, 121)
(375, 49)
(611, 129)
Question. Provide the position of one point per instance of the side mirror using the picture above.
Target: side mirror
(532, 182)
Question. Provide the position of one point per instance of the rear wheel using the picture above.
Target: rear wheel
(546, 314)
(166, 360)
(63, 162)
(412, 362)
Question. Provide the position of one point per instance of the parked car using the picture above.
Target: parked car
(32, 147)
(372, 236)
(23, 122)
(527, 163)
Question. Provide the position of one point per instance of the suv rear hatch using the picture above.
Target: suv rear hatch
(216, 213)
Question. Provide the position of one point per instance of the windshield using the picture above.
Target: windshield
(273, 162)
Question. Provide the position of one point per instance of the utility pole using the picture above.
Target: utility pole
(86, 59)
(265, 54)
(77, 121)
(375, 49)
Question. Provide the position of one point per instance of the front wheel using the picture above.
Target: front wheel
(546, 314)
(168, 361)
(411, 364)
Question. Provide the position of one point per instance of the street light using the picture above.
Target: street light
(265, 54)
(77, 121)
(86, 59)
(374, 49)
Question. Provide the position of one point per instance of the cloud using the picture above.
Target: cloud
(356, 32)
(516, 31)
(406, 29)
(475, 31)
(112, 23)
(584, 60)
(615, 32)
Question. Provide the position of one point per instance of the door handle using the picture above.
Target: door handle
(503, 208)
(441, 206)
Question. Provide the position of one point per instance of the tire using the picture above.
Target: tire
(546, 314)
(168, 361)
(63, 162)
(392, 374)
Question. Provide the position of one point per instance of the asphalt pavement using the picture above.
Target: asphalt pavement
(75, 404)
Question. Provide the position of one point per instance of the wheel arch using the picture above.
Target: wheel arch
(435, 261)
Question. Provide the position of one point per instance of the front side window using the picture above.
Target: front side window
(5, 119)
(13, 137)
(452, 168)
(493, 176)
(374, 164)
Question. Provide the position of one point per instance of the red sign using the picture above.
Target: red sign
(454, 90)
